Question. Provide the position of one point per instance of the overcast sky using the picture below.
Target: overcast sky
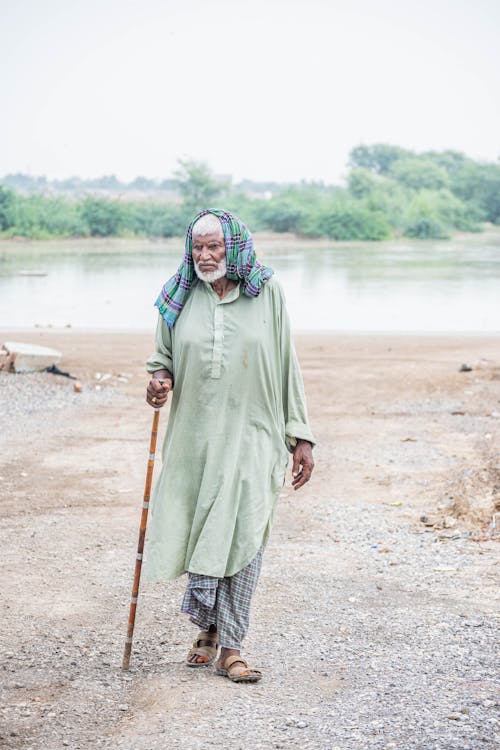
(267, 89)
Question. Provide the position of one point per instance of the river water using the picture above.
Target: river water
(392, 286)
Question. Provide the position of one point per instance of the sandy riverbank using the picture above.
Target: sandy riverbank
(386, 624)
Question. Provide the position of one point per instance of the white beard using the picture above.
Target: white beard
(211, 276)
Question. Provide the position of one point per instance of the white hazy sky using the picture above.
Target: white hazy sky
(267, 89)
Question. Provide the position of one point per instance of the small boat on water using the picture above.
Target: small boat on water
(20, 357)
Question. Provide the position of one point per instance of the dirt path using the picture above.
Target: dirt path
(374, 630)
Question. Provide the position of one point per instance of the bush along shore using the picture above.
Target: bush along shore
(390, 191)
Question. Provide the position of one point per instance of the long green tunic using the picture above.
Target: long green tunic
(237, 405)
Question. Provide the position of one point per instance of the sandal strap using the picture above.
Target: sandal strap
(205, 651)
(210, 649)
(204, 635)
(233, 660)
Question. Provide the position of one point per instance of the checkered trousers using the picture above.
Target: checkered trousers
(223, 602)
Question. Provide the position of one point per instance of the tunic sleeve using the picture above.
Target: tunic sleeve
(161, 359)
(294, 400)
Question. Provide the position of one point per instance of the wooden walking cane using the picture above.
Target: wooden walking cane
(140, 545)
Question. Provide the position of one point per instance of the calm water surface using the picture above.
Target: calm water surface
(396, 286)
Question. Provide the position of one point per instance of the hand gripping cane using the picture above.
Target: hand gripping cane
(140, 545)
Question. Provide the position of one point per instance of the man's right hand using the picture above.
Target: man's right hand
(157, 392)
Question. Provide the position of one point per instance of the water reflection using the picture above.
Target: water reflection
(424, 286)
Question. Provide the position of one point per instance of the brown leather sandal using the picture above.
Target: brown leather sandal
(248, 675)
(207, 652)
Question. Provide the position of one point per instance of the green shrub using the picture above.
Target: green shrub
(478, 186)
(419, 174)
(154, 219)
(7, 199)
(282, 215)
(424, 227)
(103, 218)
(356, 223)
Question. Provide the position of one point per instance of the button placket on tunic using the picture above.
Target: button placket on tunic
(218, 341)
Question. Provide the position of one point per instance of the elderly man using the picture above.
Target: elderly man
(224, 349)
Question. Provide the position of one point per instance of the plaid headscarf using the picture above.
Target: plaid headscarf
(242, 266)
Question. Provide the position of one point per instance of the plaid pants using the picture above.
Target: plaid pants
(223, 602)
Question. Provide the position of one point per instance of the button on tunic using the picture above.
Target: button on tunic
(237, 405)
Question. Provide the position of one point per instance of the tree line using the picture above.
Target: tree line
(390, 191)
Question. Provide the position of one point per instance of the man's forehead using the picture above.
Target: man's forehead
(207, 224)
(207, 236)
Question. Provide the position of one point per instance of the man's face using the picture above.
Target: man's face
(208, 250)
(209, 255)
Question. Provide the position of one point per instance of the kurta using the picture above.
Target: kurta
(237, 405)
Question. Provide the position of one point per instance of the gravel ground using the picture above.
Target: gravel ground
(373, 629)
(27, 400)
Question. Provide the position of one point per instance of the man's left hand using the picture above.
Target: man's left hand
(303, 464)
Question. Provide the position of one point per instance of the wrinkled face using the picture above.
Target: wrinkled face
(208, 250)
(209, 255)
